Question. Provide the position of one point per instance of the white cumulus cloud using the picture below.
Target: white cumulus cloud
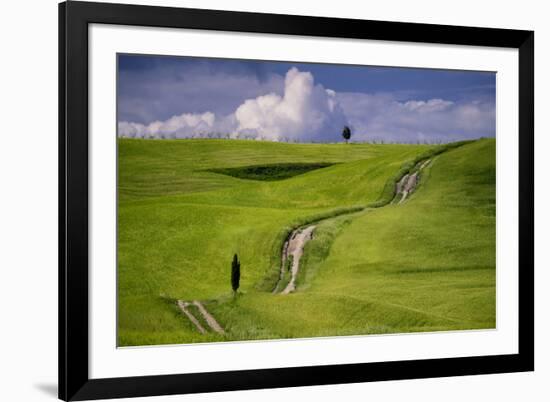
(305, 112)
(382, 117)
(432, 105)
(182, 126)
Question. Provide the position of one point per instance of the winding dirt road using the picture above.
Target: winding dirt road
(294, 245)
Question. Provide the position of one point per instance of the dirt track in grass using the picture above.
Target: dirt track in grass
(210, 320)
(293, 247)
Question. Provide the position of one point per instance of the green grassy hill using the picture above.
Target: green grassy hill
(185, 208)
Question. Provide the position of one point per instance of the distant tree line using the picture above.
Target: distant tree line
(346, 135)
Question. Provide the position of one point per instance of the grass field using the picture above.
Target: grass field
(186, 206)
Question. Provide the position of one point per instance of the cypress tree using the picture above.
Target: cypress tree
(346, 133)
(235, 273)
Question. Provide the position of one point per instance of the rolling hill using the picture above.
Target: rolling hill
(186, 206)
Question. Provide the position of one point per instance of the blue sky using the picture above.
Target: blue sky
(164, 96)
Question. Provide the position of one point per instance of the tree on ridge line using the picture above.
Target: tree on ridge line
(346, 133)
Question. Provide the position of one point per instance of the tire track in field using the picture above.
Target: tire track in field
(183, 307)
(212, 323)
(210, 320)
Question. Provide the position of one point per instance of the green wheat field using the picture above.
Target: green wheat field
(373, 265)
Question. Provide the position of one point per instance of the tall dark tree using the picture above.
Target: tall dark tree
(346, 133)
(235, 273)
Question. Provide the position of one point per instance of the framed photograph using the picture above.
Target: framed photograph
(259, 201)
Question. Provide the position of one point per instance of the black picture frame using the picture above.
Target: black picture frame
(74, 381)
